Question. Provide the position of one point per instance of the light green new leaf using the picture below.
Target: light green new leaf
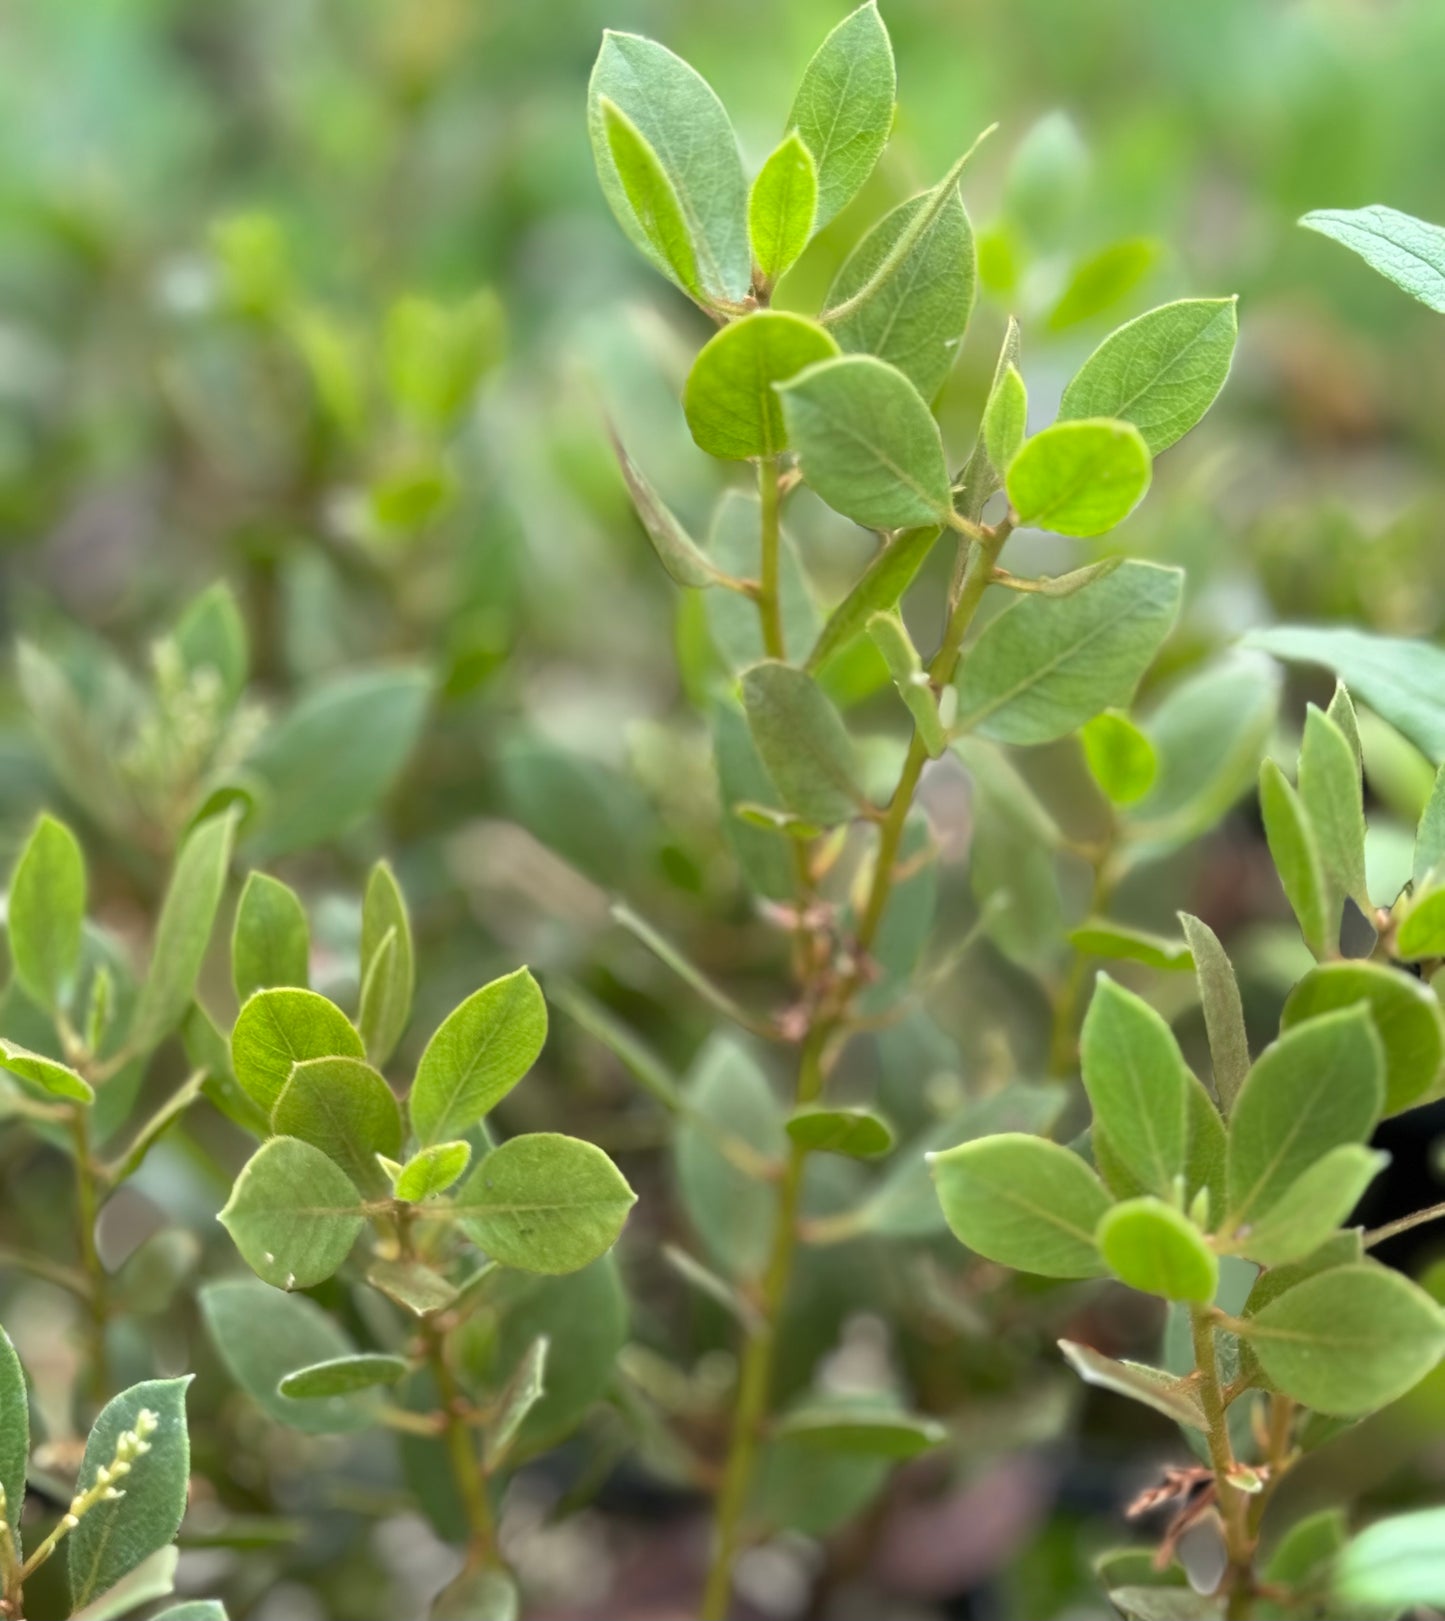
(436, 354)
(271, 941)
(682, 557)
(1103, 279)
(333, 756)
(730, 400)
(1296, 855)
(1407, 251)
(545, 1203)
(677, 114)
(1120, 757)
(1320, 1085)
(1307, 1548)
(877, 590)
(478, 1054)
(1331, 792)
(342, 1376)
(1079, 478)
(868, 445)
(1349, 1340)
(1223, 1010)
(45, 912)
(183, 930)
(878, 1432)
(1422, 929)
(1395, 1564)
(1155, 1248)
(890, 636)
(115, 1535)
(782, 206)
(1103, 937)
(1161, 371)
(1138, 1084)
(58, 1079)
(432, 1170)
(1048, 178)
(1153, 1387)
(906, 291)
(293, 1214)
(1045, 665)
(1404, 1011)
(14, 1434)
(388, 965)
(1005, 418)
(857, 1133)
(650, 192)
(982, 478)
(261, 1335)
(844, 107)
(343, 1107)
(802, 742)
(281, 1027)
(1312, 1207)
(1023, 1202)
(1402, 680)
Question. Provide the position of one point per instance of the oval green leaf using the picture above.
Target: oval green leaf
(280, 1028)
(1155, 1248)
(730, 400)
(1079, 478)
(782, 206)
(342, 1376)
(857, 1133)
(271, 940)
(345, 1108)
(293, 1215)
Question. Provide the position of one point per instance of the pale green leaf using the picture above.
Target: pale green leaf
(982, 478)
(1223, 1009)
(436, 354)
(545, 1203)
(1079, 478)
(802, 743)
(1155, 1248)
(1138, 1084)
(14, 1434)
(1023, 1202)
(1296, 855)
(730, 397)
(342, 1376)
(183, 930)
(478, 1595)
(345, 1108)
(1422, 929)
(293, 1214)
(1402, 680)
(45, 912)
(271, 940)
(432, 1170)
(1102, 280)
(844, 106)
(867, 443)
(877, 590)
(118, 1533)
(1312, 1207)
(388, 965)
(1407, 251)
(1320, 1085)
(478, 1054)
(906, 291)
(1349, 1340)
(1397, 1563)
(281, 1027)
(651, 195)
(677, 114)
(1161, 371)
(261, 1335)
(1430, 836)
(211, 635)
(1404, 1011)
(676, 550)
(764, 857)
(1103, 937)
(1175, 1398)
(519, 1397)
(878, 1432)
(1045, 665)
(418, 1288)
(782, 205)
(1331, 792)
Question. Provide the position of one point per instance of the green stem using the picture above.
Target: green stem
(1233, 1503)
(756, 1375)
(87, 1211)
(462, 1453)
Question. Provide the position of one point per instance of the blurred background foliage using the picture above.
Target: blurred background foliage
(320, 297)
